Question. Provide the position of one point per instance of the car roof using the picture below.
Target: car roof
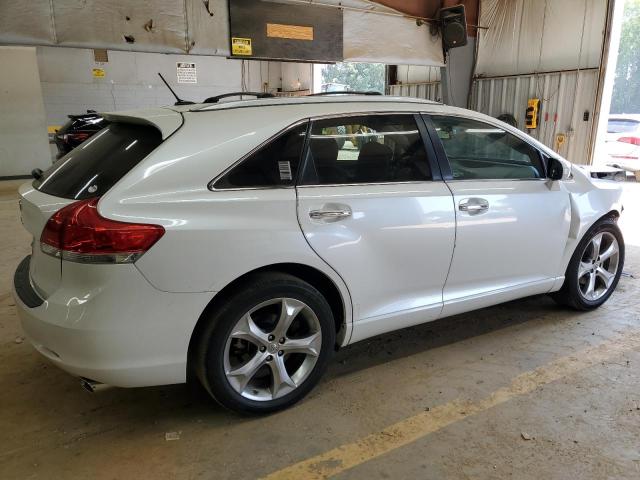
(306, 100)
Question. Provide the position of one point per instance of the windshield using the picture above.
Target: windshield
(97, 164)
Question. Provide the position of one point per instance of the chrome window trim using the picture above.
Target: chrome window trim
(499, 180)
(329, 116)
(414, 182)
(494, 122)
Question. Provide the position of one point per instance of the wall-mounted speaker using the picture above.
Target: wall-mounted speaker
(453, 25)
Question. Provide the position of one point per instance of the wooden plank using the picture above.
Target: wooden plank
(294, 32)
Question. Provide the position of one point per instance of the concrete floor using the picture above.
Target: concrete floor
(523, 390)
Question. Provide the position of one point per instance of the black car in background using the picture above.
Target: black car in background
(77, 130)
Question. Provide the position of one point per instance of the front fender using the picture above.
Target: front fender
(591, 200)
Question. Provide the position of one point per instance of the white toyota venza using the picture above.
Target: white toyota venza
(241, 243)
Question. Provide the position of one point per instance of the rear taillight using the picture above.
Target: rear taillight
(78, 233)
(78, 137)
(631, 140)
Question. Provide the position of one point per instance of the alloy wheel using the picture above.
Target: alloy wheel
(272, 349)
(598, 266)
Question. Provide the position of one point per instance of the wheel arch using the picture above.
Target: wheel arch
(318, 279)
(613, 214)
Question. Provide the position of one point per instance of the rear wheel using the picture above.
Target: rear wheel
(595, 268)
(268, 345)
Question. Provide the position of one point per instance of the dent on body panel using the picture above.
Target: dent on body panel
(589, 202)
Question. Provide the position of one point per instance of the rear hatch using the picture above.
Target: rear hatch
(88, 171)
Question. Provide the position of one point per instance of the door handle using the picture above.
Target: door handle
(473, 206)
(332, 214)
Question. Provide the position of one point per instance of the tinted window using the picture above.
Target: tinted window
(273, 165)
(477, 150)
(621, 125)
(366, 149)
(97, 164)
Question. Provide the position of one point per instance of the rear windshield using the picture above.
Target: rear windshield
(97, 164)
(620, 125)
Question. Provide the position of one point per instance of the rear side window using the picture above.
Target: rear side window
(97, 164)
(366, 149)
(477, 150)
(272, 165)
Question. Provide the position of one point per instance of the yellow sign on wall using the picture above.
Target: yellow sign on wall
(240, 46)
(531, 116)
(98, 73)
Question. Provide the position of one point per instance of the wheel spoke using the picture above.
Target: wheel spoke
(281, 381)
(606, 276)
(596, 243)
(584, 268)
(591, 286)
(308, 345)
(288, 312)
(247, 329)
(609, 252)
(241, 376)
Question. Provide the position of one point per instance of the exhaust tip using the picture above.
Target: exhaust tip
(92, 386)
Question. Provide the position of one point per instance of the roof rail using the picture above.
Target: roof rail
(217, 98)
(345, 92)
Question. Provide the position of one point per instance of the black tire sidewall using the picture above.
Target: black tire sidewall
(259, 289)
(574, 297)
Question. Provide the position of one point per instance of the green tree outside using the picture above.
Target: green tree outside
(357, 76)
(626, 88)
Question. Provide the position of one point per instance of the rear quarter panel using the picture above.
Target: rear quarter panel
(212, 237)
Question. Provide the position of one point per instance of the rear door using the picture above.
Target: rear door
(371, 204)
(512, 223)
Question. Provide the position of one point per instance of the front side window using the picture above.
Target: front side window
(366, 149)
(478, 150)
(272, 165)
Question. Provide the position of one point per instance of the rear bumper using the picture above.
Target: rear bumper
(112, 326)
(22, 285)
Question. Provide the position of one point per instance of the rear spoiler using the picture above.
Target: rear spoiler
(83, 115)
(164, 119)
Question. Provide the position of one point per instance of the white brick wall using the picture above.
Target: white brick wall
(131, 80)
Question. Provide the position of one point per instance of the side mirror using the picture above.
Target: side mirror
(555, 169)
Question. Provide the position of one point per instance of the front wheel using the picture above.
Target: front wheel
(268, 345)
(595, 268)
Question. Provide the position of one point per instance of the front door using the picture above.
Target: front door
(512, 223)
(370, 207)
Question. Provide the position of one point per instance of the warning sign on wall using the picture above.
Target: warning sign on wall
(241, 46)
(98, 72)
(186, 72)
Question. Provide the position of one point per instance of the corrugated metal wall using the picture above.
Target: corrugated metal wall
(428, 90)
(417, 81)
(568, 103)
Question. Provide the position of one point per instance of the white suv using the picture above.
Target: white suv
(241, 243)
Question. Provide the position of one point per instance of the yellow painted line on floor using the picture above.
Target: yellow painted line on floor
(418, 426)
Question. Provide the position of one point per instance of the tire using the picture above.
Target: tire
(606, 272)
(248, 341)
